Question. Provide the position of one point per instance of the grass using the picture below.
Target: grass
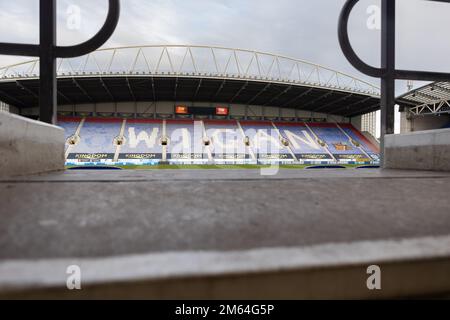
(216, 167)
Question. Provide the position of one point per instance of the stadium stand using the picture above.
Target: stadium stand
(142, 142)
(266, 142)
(70, 127)
(94, 142)
(98, 137)
(227, 141)
(147, 142)
(303, 142)
(359, 139)
(338, 143)
(185, 143)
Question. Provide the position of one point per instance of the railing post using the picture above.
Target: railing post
(388, 77)
(47, 85)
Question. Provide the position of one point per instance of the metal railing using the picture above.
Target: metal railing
(47, 51)
(388, 71)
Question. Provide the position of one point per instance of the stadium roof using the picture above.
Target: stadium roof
(432, 98)
(197, 74)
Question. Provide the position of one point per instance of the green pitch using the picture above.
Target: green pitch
(220, 167)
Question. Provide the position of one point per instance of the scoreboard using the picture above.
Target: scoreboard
(202, 111)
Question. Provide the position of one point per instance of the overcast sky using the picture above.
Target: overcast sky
(301, 29)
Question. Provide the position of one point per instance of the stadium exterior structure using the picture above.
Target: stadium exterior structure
(192, 74)
(148, 82)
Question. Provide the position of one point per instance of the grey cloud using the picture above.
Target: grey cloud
(301, 29)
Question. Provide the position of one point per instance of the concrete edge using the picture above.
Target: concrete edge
(417, 138)
(27, 120)
(220, 175)
(260, 273)
(422, 150)
(29, 147)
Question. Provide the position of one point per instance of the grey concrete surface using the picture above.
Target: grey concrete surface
(71, 176)
(84, 214)
(422, 150)
(413, 267)
(28, 146)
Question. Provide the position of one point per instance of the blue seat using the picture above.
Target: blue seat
(226, 140)
(301, 140)
(335, 139)
(142, 138)
(98, 137)
(185, 142)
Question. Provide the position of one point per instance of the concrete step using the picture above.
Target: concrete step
(408, 268)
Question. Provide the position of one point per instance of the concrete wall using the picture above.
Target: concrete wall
(422, 150)
(28, 146)
(357, 122)
(405, 123)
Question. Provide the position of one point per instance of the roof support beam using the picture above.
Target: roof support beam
(69, 101)
(278, 96)
(194, 97)
(332, 103)
(435, 108)
(130, 89)
(353, 104)
(23, 87)
(152, 81)
(267, 86)
(318, 99)
(74, 80)
(175, 90)
(362, 111)
(244, 86)
(17, 102)
(305, 93)
(222, 85)
(105, 86)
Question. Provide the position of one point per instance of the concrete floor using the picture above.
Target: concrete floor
(109, 213)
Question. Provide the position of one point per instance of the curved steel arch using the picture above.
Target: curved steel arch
(197, 61)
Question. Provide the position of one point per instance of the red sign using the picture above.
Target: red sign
(181, 110)
(222, 111)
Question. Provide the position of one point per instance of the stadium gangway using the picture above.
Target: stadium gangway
(387, 72)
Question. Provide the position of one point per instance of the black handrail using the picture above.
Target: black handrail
(99, 39)
(48, 51)
(360, 65)
(388, 73)
(344, 41)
